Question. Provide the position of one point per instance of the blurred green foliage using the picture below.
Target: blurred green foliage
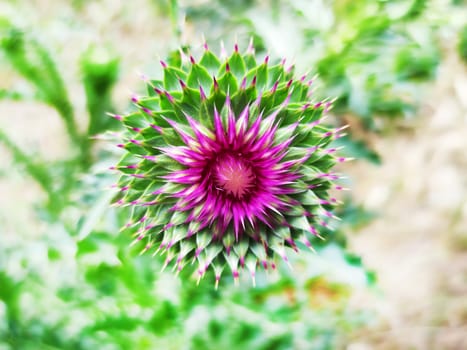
(373, 56)
(79, 285)
(33, 61)
(95, 294)
(462, 45)
(365, 52)
(100, 73)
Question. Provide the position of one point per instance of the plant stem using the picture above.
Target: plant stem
(37, 172)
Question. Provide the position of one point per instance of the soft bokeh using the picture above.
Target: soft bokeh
(393, 275)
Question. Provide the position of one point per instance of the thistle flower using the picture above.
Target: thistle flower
(227, 163)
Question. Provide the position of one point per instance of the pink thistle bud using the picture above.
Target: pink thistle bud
(231, 174)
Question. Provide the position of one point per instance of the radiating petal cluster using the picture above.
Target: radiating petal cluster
(227, 163)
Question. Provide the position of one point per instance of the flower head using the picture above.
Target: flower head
(227, 163)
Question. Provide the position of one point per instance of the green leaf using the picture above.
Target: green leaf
(191, 100)
(250, 61)
(261, 73)
(172, 76)
(103, 277)
(299, 222)
(228, 83)
(210, 62)
(100, 73)
(151, 84)
(199, 76)
(34, 62)
(462, 44)
(94, 214)
(237, 65)
(277, 73)
(415, 63)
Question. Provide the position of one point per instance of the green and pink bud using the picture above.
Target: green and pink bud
(227, 164)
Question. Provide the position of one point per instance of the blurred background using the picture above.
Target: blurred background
(392, 276)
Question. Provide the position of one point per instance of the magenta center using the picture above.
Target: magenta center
(234, 175)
